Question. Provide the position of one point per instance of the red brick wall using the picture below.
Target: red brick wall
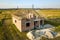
(24, 28)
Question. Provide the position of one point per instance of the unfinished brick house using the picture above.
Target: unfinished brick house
(26, 20)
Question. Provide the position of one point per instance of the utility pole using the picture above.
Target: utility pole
(17, 7)
(32, 6)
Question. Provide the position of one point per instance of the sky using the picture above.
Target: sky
(29, 3)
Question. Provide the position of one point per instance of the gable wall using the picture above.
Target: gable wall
(17, 23)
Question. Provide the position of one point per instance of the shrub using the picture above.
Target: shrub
(57, 29)
(0, 23)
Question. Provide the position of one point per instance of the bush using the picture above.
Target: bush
(0, 23)
(57, 29)
(51, 22)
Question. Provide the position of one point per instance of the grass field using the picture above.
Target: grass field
(8, 30)
(50, 13)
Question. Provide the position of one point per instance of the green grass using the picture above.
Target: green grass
(52, 22)
(8, 30)
(50, 13)
(56, 38)
(57, 29)
(11, 33)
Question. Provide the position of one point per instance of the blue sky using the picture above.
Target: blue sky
(28, 3)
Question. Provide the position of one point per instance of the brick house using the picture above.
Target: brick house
(26, 20)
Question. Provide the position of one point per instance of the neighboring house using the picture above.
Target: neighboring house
(26, 19)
